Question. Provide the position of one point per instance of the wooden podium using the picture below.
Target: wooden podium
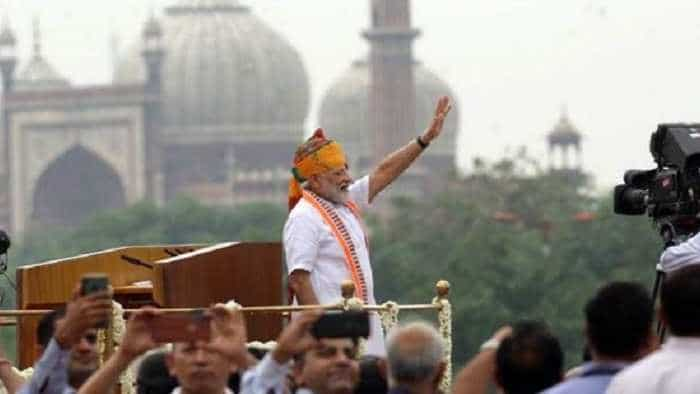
(174, 276)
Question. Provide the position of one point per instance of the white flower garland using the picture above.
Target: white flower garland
(389, 315)
(445, 328)
(118, 328)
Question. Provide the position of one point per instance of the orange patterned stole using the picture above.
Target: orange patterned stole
(340, 231)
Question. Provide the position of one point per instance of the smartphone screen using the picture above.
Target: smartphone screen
(93, 283)
(180, 327)
(350, 324)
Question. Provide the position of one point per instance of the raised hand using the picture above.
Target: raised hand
(296, 338)
(82, 313)
(435, 128)
(137, 338)
(229, 334)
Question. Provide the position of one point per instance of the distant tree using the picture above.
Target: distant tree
(515, 241)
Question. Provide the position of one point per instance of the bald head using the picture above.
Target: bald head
(415, 354)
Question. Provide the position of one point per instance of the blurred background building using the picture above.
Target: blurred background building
(210, 103)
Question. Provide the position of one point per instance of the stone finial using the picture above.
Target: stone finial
(442, 287)
(347, 289)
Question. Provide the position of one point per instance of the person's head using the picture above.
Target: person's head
(320, 164)
(84, 355)
(332, 185)
(153, 376)
(415, 354)
(530, 360)
(372, 376)
(680, 301)
(619, 321)
(197, 368)
(330, 367)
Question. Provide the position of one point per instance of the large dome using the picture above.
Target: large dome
(225, 71)
(344, 111)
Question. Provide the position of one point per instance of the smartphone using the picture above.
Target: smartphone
(93, 283)
(350, 324)
(180, 327)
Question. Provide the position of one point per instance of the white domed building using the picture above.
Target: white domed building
(197, 107)
(232, 107)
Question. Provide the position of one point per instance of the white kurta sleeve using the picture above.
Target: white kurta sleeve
(301, 237)
(359, 192)
(679, 256)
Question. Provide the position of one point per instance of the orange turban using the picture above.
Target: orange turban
(315, 156)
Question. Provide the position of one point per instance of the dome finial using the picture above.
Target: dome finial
(7, 37)
(564, 111)
(36, 37)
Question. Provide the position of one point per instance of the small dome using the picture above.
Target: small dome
(7, 37)
(226, 70)
(152, 28)
(564, 133)
(38, 74)
(344, 110)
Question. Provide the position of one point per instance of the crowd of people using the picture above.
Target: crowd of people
(623, 353)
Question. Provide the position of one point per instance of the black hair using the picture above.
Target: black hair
(47, 326)
(680, 301)
(153, 376)
(372, 380)
(619, 318)
(530, 360)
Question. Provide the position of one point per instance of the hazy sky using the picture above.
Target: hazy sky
(619, 66)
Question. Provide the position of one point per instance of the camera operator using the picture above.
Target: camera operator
(683, 255)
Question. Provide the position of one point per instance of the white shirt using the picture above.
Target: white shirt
(268, 376)
(177, 390)
(675, 368)
(309, 245)
(679, 256)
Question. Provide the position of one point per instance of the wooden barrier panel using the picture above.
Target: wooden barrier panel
(49, 284)
(250, 273)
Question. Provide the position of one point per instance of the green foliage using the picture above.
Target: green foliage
(505, 237)
(180, 221)
(508, 240)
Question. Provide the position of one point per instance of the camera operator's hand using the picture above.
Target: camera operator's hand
(296, 338)
(82, 313)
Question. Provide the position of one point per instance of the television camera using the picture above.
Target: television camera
(669, 193)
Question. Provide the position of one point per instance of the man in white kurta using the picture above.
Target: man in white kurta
(310, 246)
(322, 252)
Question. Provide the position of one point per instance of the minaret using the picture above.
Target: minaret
(8, 56)
(392, 93)
(8, 63)
(153, 55)
(36, 36)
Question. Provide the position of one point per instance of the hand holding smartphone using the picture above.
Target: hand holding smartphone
(92, 283)
(180, 327)
(350, 324)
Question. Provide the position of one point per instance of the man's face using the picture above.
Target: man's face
(198, 369)
(84, 358)
(331, 367)
(333, 185)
